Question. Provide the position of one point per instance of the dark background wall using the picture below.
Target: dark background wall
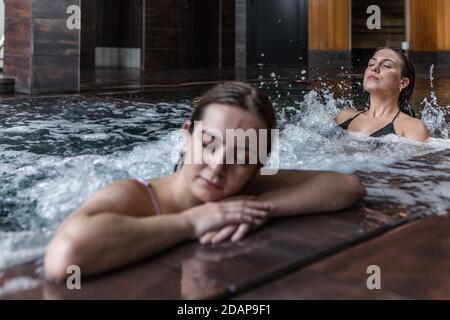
(393, 24)
(277, 29)
(189, 34)
(171, 34)
(88, 34)
(392, 32)
(119, 23)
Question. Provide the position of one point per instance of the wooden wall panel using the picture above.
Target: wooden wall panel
(429, 25)
(328, 25)
(15, 8)
(41, 53)
(184, 34)
(443, 25)
(423, 25)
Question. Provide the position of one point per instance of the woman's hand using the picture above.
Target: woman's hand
(216, 215)
(233, 232)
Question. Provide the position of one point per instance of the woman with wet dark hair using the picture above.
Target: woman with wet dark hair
(389, 78)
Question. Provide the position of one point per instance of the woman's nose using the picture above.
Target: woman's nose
(216, 161)
(217, 169)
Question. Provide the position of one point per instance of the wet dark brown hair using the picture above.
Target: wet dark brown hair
(240, 95)
(407, 71)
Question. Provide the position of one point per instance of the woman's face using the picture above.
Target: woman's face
(216, 172)
(384, 73)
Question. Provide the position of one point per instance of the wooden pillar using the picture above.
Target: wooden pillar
(423, 25)
(429, 30)
(329, 32)
(41, 53)
(429, 23)
(328, 25)
(443, 25)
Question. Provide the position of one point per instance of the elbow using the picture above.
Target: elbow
(356, 190)
(63, 251)
(59, 256)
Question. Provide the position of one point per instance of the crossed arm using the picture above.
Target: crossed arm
(295, 192)
(113, 228)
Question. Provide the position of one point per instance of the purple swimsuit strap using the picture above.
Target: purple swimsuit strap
(152, 193)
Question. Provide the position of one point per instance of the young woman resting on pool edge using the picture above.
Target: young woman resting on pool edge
(129, 220)
(389, 78)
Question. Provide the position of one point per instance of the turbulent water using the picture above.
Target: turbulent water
(55, 152)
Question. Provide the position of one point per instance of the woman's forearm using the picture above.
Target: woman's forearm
(323, 192)
(108, 240)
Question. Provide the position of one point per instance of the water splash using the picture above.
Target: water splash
(431, 75)
(18, 284)
(433, 115)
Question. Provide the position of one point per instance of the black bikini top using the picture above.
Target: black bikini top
(388, 129)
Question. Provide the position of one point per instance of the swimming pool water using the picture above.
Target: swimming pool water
(56, 151)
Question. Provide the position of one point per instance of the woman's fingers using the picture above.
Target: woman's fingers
(223, 234)
(258, 222)
(245, 205)
(213, 216)
(244, 212)
(241, 231)
(206, 238)
(256, 213)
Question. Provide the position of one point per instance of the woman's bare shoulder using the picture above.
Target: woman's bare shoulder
(345, 114)
(125, 196)
(412, 128)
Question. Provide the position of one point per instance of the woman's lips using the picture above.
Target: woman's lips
(211, 184)
(372, 78)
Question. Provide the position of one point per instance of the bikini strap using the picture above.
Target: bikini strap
(357, 115)
(152, 193)
(396, 116)
(346, 123)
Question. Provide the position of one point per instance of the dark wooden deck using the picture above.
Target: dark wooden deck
(320, 256)
(414, 261)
